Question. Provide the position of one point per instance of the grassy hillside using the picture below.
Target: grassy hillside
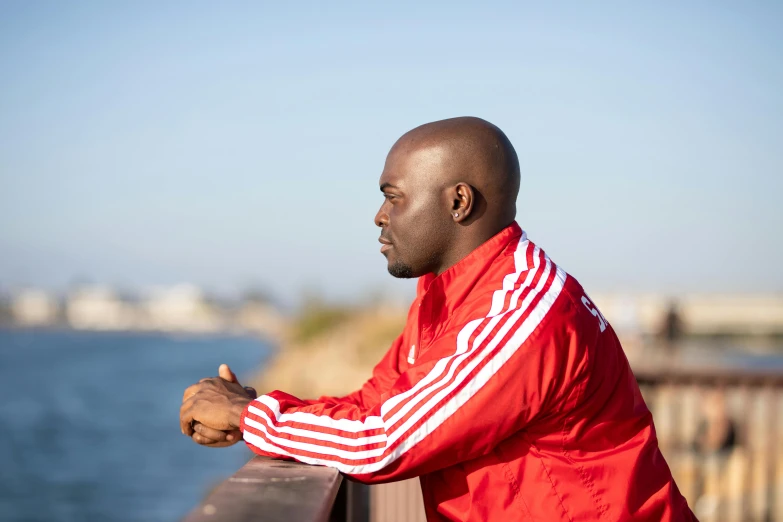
(331, 350)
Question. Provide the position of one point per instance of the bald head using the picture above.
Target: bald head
(449, 186)
(469, 150)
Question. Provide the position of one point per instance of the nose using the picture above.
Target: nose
(381, 217)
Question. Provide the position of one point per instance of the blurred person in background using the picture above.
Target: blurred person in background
(507, 393)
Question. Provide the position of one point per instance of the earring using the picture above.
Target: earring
(456, 214)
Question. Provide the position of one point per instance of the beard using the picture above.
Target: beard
(400, 270)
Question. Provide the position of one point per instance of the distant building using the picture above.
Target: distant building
(99, 308)
(182, 308)
(650, 315)
(732, 314)
(34, 308)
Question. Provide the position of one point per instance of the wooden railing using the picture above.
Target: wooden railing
(719, 430)
(280, 491)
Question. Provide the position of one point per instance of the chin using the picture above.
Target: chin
(400, 270)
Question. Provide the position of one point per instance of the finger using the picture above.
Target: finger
(207, 444)
(187, 414)
(210, 433)
(251, 392)
(186, 418)
(226, 374)
(198, 438)
(234, 435)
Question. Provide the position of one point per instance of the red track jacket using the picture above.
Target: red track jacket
(508, 393)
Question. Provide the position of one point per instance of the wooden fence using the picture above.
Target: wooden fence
(721, 434)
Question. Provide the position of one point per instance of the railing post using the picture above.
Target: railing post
(772, 446)
(358, 501)
(352, 503)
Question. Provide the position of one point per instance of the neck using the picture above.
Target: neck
(466, 243)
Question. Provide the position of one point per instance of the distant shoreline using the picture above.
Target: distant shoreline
(141, 333)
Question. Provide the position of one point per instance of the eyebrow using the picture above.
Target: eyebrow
(386, 185)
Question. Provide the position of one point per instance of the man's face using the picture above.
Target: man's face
(414, 217)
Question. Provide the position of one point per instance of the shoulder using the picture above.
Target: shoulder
(529, 294)
(546, 300)
(568, 313)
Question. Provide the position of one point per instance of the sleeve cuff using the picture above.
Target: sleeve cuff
(243, 416)
(255, 449)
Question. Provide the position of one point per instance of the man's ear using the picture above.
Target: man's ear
(462, 199)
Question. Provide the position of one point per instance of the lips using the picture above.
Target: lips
(385, 244)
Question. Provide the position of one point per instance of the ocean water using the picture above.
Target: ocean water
(90, 424)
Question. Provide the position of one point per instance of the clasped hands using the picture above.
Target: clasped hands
(211, 409)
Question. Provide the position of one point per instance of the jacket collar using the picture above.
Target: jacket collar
(455, 283)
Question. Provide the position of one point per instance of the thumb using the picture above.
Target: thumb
(226, 374)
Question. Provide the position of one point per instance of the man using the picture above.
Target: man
(508, 393)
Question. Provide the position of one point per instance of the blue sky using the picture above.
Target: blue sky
(240, 144)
